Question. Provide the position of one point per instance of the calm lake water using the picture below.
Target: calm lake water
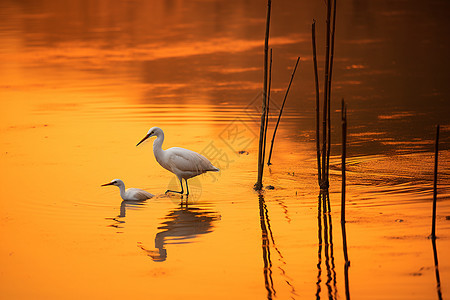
(81, 82)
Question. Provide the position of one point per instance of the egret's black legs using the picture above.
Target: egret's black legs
(181, 183)
(187, 188)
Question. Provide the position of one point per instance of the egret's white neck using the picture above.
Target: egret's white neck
(157, 144)
(122, 190)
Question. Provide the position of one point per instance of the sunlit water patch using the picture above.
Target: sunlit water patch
(83, 83)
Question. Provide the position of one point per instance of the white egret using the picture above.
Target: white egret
(132, 194)
(183, 163)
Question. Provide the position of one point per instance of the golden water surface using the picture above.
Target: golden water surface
(81, 82)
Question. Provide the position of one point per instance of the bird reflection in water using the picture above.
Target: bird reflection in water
(325, 236)
(126, 204)
(179, 226)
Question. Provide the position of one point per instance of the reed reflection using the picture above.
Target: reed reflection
(267, 271)
(124, 205)
(179, 226)
(285, 209)
(266, 238)
(346, 260)
(436, 269)
(325, 247)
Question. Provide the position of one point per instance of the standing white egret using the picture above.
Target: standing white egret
(132, 194)
(183, 163)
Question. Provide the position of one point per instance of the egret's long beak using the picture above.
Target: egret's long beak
(107, 184)
(146, 137)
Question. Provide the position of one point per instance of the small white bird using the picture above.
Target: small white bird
(131, 193)
(183, 163)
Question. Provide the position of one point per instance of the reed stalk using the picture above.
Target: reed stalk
(267, 106)
(436, 152)
(281, 110)
(324, 183)
(258, 184)
(323, 154)
(316, 80)
(329, 83)
(343, 158)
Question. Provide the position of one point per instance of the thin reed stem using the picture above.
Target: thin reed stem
(267, 106)
(325, 184)
(344, 157)
(281, 110)
(316, 79)
(343, 195)
(436, 152)
(329, 84)
(258, 184)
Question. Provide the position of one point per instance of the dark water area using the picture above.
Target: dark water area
(391, 61)
(81, 82)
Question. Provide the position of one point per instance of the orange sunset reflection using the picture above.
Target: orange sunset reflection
(82, 82)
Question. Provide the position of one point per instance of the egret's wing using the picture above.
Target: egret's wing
(189, 161)
(141, 194)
